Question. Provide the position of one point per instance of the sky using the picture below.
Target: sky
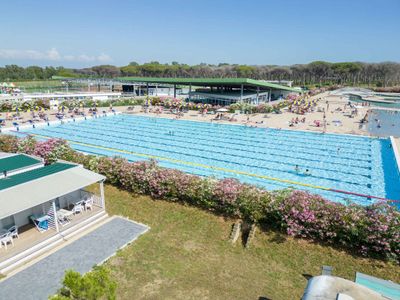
(82, 33)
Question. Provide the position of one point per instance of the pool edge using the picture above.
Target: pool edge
(396, 151)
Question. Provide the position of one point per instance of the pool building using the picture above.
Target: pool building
(222, 91)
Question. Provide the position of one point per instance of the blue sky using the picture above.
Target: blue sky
(82, 33)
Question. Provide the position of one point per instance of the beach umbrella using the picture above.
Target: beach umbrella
(222, 110)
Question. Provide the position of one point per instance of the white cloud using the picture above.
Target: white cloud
(52, 55)
(104, 58)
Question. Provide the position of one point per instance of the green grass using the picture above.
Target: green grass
(37, 83)
(40, 86)
(187, 255)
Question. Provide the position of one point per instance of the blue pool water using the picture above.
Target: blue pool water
(389, 122)
(355, 164)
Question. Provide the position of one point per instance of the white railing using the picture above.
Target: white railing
(96, 199)
(50, 212)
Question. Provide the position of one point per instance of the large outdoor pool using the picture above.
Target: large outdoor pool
(266, 157)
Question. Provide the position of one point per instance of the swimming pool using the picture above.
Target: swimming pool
(384, 122)
(266, 157)
(395, 102)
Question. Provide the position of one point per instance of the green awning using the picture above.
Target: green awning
(16, 162)
(24, 177)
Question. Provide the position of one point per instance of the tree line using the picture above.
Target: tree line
(384, 74)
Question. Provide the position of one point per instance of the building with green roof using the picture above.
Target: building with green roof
(37, 198)
(222, 91)
(15, 163)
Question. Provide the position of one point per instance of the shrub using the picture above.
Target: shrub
(371, 231)
(94, 285)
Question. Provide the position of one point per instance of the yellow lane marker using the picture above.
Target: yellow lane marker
(191, 164)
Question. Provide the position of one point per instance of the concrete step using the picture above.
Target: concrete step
(46, 247)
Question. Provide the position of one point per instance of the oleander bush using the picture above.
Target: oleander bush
(367, 230)
(103, 103)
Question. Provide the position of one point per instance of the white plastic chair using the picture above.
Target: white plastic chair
(5, 239)
(62, 220)
(14, 232)
(78, 208)
(89, 203)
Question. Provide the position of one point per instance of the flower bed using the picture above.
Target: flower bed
(370, 231)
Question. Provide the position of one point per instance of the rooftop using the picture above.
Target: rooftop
(17, 162)
(27, 176)
(34, 187)
(234, 82)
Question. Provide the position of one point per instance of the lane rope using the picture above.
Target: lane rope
(218, 169)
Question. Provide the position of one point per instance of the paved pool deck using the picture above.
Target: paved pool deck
(43, 278)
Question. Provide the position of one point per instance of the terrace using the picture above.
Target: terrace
(43, 207)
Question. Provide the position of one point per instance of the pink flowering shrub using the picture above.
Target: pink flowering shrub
(51, 150)
(226, 194)
(371, 231)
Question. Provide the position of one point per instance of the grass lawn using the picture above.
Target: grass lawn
(187, 255)
(37, 86)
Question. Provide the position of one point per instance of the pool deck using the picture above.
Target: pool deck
(347, 125)
(43, 278)
(271, 120)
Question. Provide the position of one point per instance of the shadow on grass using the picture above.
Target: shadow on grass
(245, 233)
(307, 276)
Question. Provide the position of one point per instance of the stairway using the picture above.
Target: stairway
(47, 246)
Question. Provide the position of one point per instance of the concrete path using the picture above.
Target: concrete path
(44, 278)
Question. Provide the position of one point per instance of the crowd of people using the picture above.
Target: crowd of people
(9, 89)
(303, 105)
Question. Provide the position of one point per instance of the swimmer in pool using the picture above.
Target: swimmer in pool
(307, 172)
(297, 169)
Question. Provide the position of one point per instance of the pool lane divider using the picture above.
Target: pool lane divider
(216, 168)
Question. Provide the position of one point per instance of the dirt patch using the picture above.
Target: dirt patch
(191, 246)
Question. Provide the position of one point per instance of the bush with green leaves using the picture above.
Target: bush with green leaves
(94, 285)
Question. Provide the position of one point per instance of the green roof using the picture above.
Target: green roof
(27, 176)
(16, 162)
(210, 82)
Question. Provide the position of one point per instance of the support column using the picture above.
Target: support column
(190, 91)
(134, 92)
(156, 89)
(241, 93)
(174, 90)
(103, 203)
(147, 89)
(269, 95)
(55, 216)
(258, 95)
